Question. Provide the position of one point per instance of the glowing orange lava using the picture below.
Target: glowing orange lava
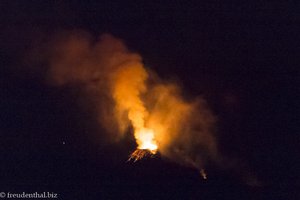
(146, 144)
(145, 140)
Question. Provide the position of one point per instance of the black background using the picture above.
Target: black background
(242, 57)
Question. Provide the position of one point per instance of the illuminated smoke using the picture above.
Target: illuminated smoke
(128, 95)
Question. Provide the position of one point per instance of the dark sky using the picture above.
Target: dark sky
(242, 57)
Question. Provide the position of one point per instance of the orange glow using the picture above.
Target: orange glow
(126, 95)
(145, 140)
(128, 86)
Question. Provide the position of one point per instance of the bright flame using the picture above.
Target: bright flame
(146, 144)
(128, 86)
(145, 139)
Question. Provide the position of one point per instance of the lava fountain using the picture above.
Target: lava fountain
(146, 144)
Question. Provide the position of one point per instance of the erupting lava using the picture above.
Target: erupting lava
(129, 84)
(145, 140)
(139, 154)
(146, 144)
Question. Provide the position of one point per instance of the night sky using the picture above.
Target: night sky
(243, 58)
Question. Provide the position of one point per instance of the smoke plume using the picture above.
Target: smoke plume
(128, 96)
